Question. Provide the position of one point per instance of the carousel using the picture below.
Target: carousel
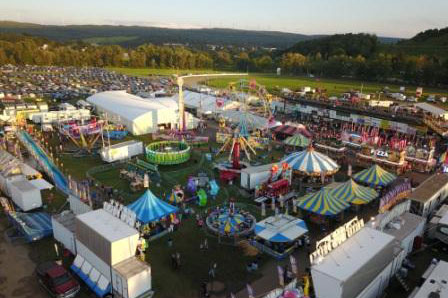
(168, 152)
(311, 165)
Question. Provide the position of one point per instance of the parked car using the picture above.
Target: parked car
(411, 99)
(431, 98)
(56, 280)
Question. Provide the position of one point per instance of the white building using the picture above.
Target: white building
(435, 285)
(206, 104)
(359, 267)
(59, 116)
(429, 195)
(140, 116)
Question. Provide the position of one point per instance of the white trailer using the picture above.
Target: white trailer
(131, 278)
(64, 230)
(121, 151)
(25, 195)
(252, 177)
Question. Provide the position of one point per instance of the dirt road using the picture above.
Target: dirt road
(16, 270)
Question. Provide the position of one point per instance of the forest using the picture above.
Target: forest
(358, 56)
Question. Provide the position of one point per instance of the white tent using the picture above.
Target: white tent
(140, 116)
(206, 104)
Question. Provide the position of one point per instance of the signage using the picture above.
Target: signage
(382, 153)
(335, 239)
(395, 195)
(121, 212)
(395, 212)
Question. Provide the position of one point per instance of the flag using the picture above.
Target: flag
(293, 264)
(263, 209)
(250, 291)
(349, 171)
(281, 280)
(146, 181)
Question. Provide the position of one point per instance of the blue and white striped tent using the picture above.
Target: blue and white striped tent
(149, 208)
(281, 228)
(311, 163)
(32, 226)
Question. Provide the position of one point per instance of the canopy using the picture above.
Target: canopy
(311, 162)
(281, 228)
(322, 202)
(351, 192)
(149, 208)
(297, 140)
(374, 176)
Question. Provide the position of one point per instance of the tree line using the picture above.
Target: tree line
(354, 56)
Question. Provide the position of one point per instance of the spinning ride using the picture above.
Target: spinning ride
(168, 152)
(83, 136)
(230, 222)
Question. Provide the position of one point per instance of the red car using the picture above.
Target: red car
(56, 280)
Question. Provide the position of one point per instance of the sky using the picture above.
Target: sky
(393, 18)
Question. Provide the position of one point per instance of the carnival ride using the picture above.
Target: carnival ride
(168, 152)
(230, 221)
(114, 132)
(83, 135)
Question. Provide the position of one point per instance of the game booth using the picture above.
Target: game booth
(278, 236)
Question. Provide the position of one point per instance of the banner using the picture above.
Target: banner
(222, 137)
(395, 195)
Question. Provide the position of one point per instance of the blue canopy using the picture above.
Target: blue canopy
(281, 228)
(149, 208)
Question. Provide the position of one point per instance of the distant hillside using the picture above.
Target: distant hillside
(433, 42)
(338, 44)
(130, 36)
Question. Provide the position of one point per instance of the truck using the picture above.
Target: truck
(25, 195)
(251, 177)
(56, 280)
(121, 151)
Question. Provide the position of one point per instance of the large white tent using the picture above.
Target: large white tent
(139, 115)
(206, 104)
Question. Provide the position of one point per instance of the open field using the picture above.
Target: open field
(272, 82)
(159, 72)
(333, 86)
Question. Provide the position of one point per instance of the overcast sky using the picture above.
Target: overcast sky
(394, 18)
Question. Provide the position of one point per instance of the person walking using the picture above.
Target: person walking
(178, 259)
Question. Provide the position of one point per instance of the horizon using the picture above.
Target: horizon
(324, 17)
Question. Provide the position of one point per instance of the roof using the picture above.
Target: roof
(24, 185)
(431, 109)
(124, 144)
(281, 228)
(258, 169)
(107, 225)
(347, 259)
(436, 282)
(130, 106)
(149, 208)
(409, 221)
(67, 219)
(41, 184)
(444, 220)
(131, 267)
(429, 188)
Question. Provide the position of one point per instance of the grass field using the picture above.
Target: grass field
(333, 86)
(159, 72)
(271, 82)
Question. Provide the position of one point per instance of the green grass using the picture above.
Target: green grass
(333, 86)
(159, 72)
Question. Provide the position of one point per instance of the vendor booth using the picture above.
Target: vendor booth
(276, 235)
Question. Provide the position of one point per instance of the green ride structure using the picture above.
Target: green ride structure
(168, 152)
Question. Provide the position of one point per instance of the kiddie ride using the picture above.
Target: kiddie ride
(83, 135)
(278, 187)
